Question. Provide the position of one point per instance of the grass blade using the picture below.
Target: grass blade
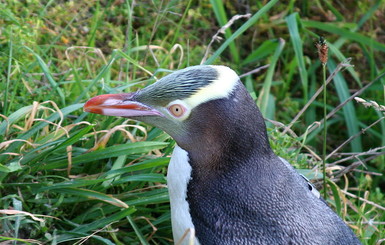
(295, 38)
(14, 117)
(265, 49)
(48, 75)
(220, 15)
(348, 110)
(5, 108)
(157, 162)
(137, 231)
(112, 151)
(336, 195)
(263, 99)
(55, 116)
(333, 28)
(46, 149)
(99, 223)
(242, 29)
(152, 177)
(90, 194)
(75, 183)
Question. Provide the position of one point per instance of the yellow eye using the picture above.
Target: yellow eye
(177, 110)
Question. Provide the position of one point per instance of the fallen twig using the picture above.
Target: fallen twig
(222, 30)
(364, 200)
(353, 137)
(256, 70)
(339, 67)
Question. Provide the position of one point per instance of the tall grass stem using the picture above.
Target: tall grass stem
(324, 130)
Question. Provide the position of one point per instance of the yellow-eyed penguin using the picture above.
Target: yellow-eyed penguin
(225, 182)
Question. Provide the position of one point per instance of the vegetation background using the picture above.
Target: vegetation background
(71, 177)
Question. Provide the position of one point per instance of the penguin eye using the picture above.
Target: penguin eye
(177, 110)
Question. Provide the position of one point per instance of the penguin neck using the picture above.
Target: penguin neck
(227, 133)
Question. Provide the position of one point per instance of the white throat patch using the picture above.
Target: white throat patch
(178, 176)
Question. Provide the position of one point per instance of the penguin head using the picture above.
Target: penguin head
(200, 107)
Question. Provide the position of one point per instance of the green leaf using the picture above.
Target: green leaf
(4, 169)
(152, 163)
(71, 184)
(333, 28)
(348, 110)
(221, 17)
(341, 57)
(152, 177)
(141, 237)
(336, 196)
(263, 99)
(112, 151)
(14, 117)
(24, 241)
(242, 29)
(90, 194)
(44, 150)
(74, 138)
(48, 75)
(28, 134)
(160, 196)
(265, 49)
(97, 224)
(296, 41)
(310, 173)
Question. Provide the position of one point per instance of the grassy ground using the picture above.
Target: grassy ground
(71, 177)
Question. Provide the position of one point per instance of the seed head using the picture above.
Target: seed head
(322, 49)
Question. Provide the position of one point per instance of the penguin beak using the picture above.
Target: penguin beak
(123, 105)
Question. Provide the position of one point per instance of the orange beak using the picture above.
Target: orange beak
(123, 105)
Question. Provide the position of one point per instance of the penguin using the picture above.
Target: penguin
(226, 185)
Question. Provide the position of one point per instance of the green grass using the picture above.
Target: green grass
(67, 176)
